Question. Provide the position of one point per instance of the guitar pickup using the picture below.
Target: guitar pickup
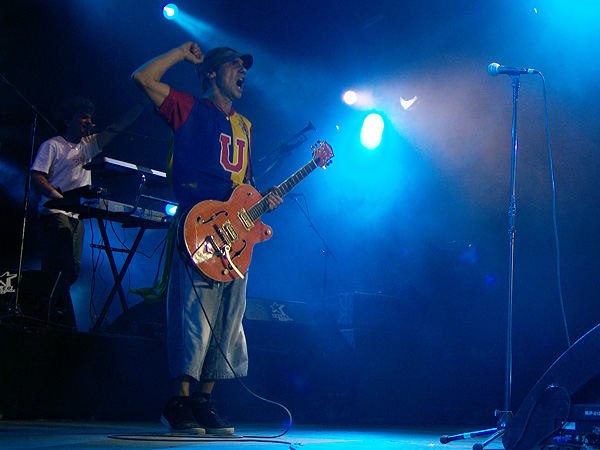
(228, 233)
(245, 219)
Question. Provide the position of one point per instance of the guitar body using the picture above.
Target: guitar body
(211, 225)
(219, 236)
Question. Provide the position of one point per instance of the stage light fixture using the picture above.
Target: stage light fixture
(350, 97)
(170, 210)
(170, 11)
(371, 131)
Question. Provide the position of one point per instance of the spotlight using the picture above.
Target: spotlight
(350, 97)
(371, 132)
(170, 11)
(170, 210)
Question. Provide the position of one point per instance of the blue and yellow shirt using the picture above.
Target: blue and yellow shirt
(211, 153)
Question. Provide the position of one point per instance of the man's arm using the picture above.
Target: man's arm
(40, 181)
(147, 77)
(123, 122)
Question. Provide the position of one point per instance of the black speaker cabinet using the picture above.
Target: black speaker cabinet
(38, 292)
(573, 379)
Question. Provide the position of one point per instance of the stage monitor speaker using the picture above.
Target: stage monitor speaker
(277, 325)
(573, 379)
(277, 311)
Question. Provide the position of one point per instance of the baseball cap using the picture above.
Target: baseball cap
(221, 55)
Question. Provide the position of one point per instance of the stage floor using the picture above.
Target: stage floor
(46, 434)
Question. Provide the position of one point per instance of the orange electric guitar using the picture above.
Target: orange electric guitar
(219, 236)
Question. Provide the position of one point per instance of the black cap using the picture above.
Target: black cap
(221, 55)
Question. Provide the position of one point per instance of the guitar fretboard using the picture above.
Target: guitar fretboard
(262, 206)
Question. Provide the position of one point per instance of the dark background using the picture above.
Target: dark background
(426, 211)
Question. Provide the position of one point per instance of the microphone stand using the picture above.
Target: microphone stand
(284, 148)
(284, 151)
(326, 250)
(36, 113)
(504, 417)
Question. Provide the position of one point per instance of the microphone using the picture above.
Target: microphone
(496, 69)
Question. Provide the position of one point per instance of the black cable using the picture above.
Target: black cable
(556, 240)
(199, 438)
(531, 411)
(121, 241)
(289, 414)
(92, 312)
(162, 243)
(96, 264)
(565, 420)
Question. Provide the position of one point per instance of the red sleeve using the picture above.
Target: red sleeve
(176, 108)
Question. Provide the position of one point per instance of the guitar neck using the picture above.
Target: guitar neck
(263, 205)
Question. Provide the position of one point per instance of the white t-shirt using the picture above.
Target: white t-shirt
(63, 162)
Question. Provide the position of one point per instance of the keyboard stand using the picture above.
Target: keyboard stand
(118, 275)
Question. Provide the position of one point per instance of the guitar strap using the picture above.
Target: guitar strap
(249, 177)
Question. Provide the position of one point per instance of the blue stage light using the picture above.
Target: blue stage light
(170, 210)
(371, 132)
(170, 11)
(350, 97)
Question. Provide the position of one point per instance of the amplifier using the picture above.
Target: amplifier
(582, 427)
(278, 326)
(366, 311)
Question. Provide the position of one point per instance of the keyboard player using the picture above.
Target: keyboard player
(57, 168)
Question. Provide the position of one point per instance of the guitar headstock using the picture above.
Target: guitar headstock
(322, 153)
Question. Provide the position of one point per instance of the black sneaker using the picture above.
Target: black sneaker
(178, 416)
(206, 415)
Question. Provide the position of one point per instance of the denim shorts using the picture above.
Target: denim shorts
(201, 317)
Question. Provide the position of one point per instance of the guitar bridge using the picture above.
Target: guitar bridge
(245, 219)
(206, 250)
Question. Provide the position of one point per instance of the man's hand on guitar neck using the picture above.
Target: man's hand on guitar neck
(273, 199)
